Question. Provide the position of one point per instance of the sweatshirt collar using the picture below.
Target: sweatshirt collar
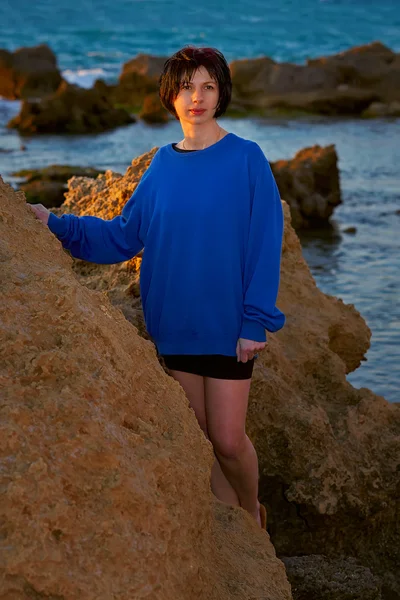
(209, 149)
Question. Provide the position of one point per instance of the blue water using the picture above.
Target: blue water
(94, 39)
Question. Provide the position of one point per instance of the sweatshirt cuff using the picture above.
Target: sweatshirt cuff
(252, 330)
(57, 225)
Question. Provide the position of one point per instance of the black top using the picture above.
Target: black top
(181, 149)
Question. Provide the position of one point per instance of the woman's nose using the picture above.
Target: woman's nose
(197, 95)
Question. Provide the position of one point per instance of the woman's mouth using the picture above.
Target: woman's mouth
(198, 112)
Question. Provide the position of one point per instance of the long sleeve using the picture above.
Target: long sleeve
(263, 257)
(106, 241)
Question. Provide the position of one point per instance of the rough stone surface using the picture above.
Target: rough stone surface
(105, 471)
(28, 73)
(329, 454)
(70, 109)
(310, 184)
(317, 577)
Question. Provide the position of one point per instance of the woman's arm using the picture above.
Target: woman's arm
(100, 241)
(262, 264)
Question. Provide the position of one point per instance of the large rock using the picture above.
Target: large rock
(139, 78)
(28, 73)
(310, 185)
(105, 470)
(345, 83)
(71, 109)
(329, 454)
(47, 186)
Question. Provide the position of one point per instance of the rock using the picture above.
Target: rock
(329, 453)
(28, 73)
(106, 473)
(350, 230)
(138, 79)
(320, 578)
(70, 109)
(47, 186)
(48, 193)
(310, 184)
(380, 109)
(342, 84)
(153, 111)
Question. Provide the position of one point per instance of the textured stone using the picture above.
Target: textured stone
(105, 489)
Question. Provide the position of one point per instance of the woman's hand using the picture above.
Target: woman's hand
(41, 212)
(246, 349)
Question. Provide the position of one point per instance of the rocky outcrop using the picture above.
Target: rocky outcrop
(152, 110)
(317, 577)
(138, 79)
(105, 471)
(329, 454)
(28, 73)
(47, 186)
(343, 84)
(71, 109)
(310, 184)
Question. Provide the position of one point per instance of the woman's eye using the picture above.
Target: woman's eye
(185, 85)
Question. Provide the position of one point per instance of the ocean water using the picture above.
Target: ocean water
(93, 39)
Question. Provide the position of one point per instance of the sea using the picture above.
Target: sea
(92, 39)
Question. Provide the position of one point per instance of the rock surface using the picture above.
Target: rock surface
(341, 84)
(329, 454)
(28, 73)
(47, 186)
(138, 79)
(71, 109)
(105, 477)
(310, 184)
(317, 577)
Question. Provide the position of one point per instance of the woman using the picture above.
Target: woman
(208, 214)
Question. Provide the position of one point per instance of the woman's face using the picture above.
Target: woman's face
(200, 93)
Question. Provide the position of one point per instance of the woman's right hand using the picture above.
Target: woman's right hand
(41, 212)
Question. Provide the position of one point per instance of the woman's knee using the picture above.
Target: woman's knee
(228, 444)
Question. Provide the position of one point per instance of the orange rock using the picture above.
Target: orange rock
(105, 470)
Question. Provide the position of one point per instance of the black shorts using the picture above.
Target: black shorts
(219, 366)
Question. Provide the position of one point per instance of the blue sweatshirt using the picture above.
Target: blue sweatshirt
(211, 225)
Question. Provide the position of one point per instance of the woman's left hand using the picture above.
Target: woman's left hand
(246, 349)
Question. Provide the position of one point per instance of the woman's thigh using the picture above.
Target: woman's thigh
(194, 389)
(226, 402)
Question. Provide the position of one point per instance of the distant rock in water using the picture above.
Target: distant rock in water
(310, 184)
(47, 186)
(347, 83)
(105, 473)
(70, 109)
(28, 73)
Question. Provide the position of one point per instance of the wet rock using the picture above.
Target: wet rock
(70, 109)
(28, 73)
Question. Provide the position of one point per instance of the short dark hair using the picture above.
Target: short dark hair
(181, 66)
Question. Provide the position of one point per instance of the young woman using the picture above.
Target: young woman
(208, 214)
